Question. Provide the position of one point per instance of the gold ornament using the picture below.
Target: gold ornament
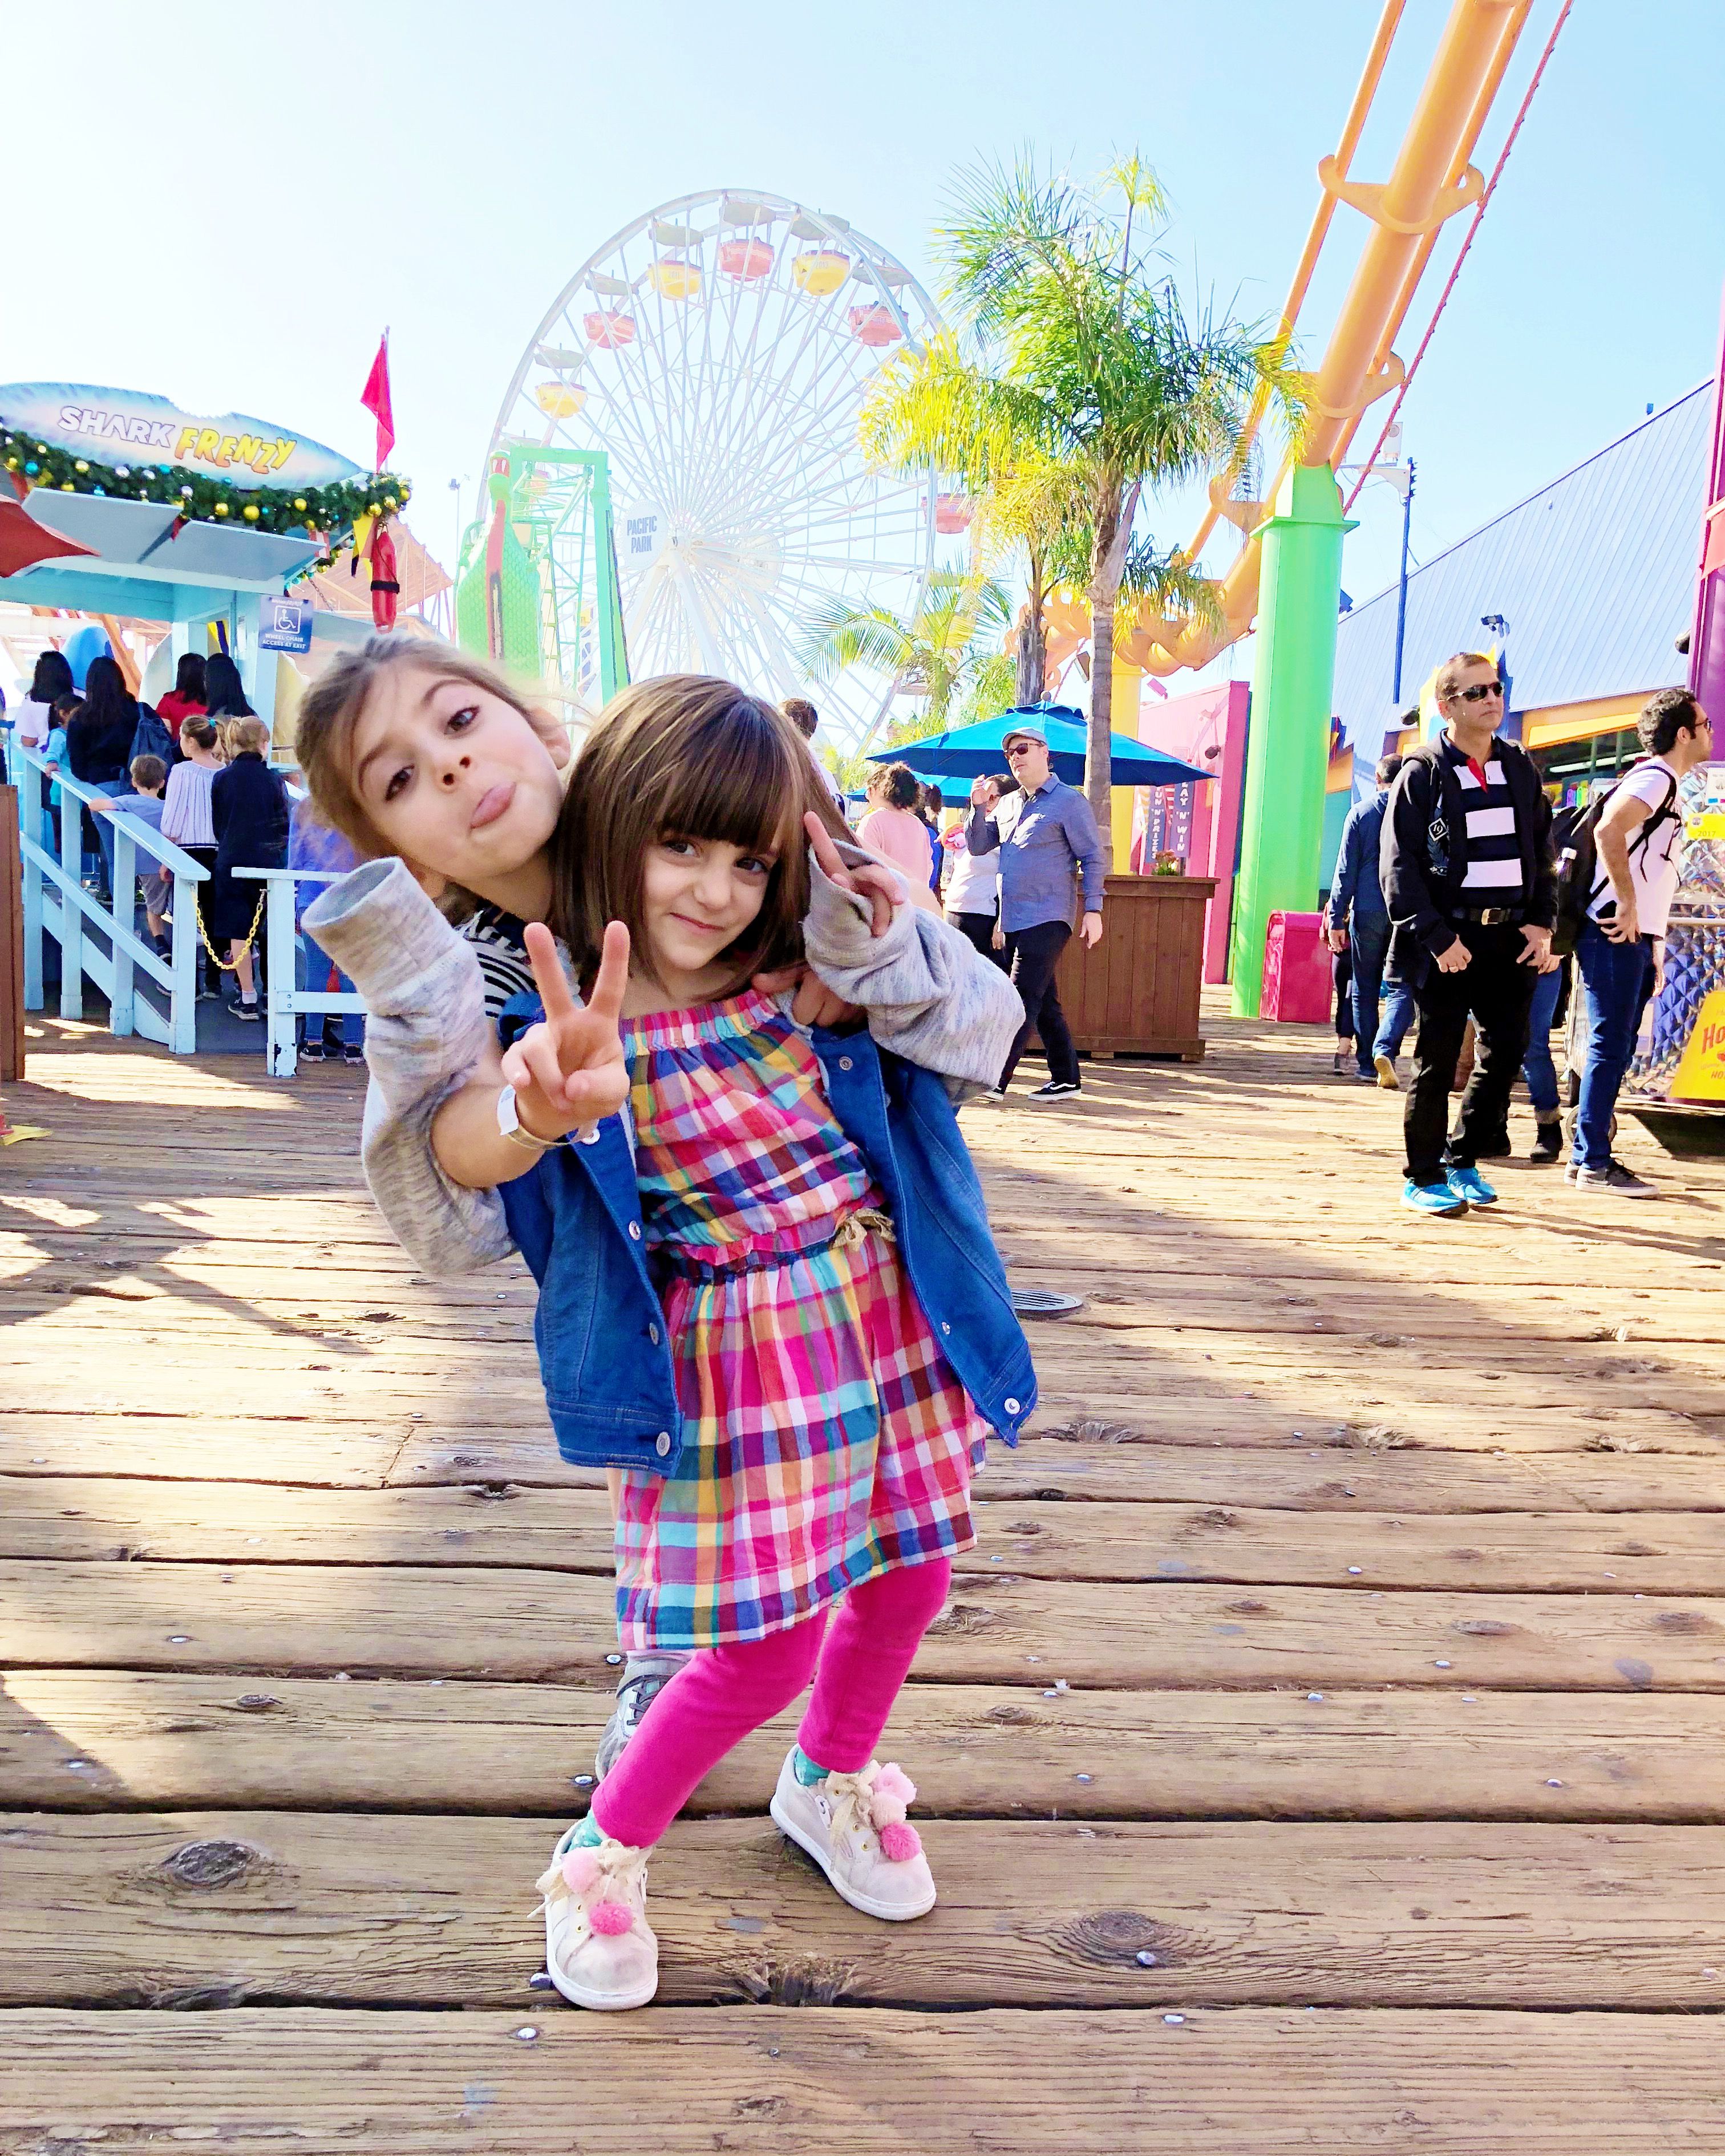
(297, 504)
(221, 508)
(80, 465)
(251, 513)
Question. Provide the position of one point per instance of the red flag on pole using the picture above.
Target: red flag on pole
(375, 397)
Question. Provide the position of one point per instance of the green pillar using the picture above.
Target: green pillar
(1287, 750)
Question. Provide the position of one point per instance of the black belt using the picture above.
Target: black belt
(1489, 916)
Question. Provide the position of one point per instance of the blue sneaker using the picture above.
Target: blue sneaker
(1432, 1198)
(1469, 1183)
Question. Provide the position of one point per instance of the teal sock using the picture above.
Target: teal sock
(808, 1774)
(588, 1835)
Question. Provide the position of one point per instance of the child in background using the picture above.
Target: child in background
(798, 1420)
(54, 752)
(149, 779)
(418, 750)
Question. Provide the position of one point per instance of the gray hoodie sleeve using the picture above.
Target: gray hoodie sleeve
(425, 1031)
(931, 996)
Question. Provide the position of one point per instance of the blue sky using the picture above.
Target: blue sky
(230, 201)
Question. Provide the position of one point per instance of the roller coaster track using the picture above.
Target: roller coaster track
(1432, 180)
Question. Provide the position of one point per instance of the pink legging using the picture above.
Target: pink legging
(715, 1701)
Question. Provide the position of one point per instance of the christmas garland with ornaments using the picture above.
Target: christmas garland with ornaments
(325, 513)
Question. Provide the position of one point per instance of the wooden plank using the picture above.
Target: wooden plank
(300, 1908)
(570, 1530)
(770, 2081)
(999, 1628)
(1291, 1475)
(109, 1741)
(329, 1454)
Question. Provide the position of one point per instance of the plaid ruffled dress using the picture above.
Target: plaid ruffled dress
(827, 1438)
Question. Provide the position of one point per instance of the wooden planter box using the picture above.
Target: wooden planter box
(1137, 993)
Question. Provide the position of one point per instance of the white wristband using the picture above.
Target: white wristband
(510, 1125)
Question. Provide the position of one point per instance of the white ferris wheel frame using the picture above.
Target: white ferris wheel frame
(731, 600)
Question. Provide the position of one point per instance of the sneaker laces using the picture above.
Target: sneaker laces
(634, 1695)
(872, 1805)
(617, 1873)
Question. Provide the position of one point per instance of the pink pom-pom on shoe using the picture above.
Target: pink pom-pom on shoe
(899, 1843)
(892, 1781)
(609, 1919)
(580, 1868)
(886, 1811)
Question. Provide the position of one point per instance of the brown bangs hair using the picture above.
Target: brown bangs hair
(330, 711)
(686, 756)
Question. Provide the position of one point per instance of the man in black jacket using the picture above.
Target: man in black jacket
(1466, 867)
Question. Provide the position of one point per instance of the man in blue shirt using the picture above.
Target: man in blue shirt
(1359, 916)
(1048, 841)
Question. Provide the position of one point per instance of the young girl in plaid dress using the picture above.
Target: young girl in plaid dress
(807, 1523)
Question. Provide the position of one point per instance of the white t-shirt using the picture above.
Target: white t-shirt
(973, 880)
(35, 722)
(1653, 864)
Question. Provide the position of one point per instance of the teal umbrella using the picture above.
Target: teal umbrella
(974, 752)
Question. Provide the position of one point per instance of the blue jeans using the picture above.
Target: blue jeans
(311, 973)
(1369, 940)
(113, 788)
(1616, 979)
(1537, 1068)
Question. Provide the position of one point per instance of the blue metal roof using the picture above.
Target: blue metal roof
(1595, 575)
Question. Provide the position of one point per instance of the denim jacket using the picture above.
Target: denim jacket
(607, 1376)
(576, 1218)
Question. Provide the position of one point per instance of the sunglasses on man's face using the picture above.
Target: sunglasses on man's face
(1479, 692)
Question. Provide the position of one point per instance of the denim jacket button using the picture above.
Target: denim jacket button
(634, 1231)
(661, 1444)
(844, 1062)
(653, 1334)
(945, 1327)
(1010, 1404)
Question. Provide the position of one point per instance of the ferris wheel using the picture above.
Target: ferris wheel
(717, 351)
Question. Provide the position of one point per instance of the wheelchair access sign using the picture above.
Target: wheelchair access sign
(285, 625)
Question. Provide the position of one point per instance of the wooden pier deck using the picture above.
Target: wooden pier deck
(1324, 1750)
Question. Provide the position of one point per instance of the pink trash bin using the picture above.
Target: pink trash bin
(1297, 970)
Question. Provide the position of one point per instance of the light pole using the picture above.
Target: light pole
(1402, 477)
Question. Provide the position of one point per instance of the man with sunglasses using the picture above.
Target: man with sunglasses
(1047, 841)
(1467, 873)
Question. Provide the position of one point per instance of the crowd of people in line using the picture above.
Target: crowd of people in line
(1458, 897)
(195, 767)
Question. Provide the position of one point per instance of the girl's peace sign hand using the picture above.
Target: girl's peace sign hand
(568, 1071)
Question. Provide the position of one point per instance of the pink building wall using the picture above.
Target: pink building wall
(1208, 726)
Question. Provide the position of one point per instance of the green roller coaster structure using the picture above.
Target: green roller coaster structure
(536, 588)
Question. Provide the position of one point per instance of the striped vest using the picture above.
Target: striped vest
(1493, 850)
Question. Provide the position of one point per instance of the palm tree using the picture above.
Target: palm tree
(933, 411)
(939, 652)
(1099, 384)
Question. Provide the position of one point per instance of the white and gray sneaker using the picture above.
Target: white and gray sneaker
(1620, 1181)
(1057, 1089)
(645, 1676)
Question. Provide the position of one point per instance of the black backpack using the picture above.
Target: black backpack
(1574, 832)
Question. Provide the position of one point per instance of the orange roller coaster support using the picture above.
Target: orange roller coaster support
(1431, 179)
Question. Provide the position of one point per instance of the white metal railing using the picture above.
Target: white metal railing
(55, 903)
(284, 1004)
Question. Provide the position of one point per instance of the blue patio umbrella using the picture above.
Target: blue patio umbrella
(974, 752)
